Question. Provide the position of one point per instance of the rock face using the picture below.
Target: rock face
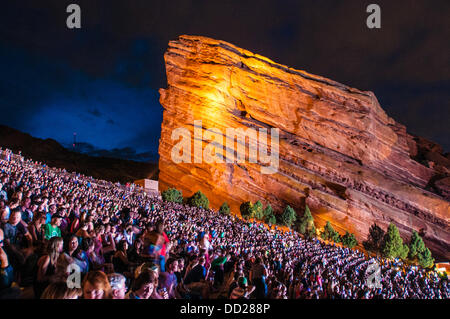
(339, 152)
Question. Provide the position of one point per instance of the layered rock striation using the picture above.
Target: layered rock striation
(339, 152)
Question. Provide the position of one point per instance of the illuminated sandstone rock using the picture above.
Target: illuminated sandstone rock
(339, 152)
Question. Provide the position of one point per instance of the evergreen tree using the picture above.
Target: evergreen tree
(311, 232)
(418, 250)
(272, 219)
(268, 213)
(289, 216)
(393, 246)
(199, 200)
(246, 210)
(329, 233)
(258, 211)
(172, 195)
(349, 240)
(224, 209)
(375, 238)
(306, 225)
(416, 245)
(425, 258)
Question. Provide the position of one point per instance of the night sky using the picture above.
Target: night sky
(102, 80)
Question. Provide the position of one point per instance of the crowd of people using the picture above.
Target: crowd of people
(5, 154)
(65, 235)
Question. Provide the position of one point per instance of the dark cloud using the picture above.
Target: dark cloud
(95, 113)
(48, 99)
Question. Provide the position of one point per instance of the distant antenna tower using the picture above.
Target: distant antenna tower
(74, 140)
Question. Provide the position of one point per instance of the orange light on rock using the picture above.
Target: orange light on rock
(339, 152)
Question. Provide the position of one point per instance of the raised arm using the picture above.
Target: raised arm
(42, 264)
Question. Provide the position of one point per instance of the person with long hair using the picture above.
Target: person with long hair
(96, 286)
(120, 259)
(135, 252)
(60, 290)
(73, 250)
(144, 285)
(36, 228)
(46, 265)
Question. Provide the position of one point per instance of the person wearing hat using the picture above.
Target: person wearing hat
(52, 229)
(243, 290)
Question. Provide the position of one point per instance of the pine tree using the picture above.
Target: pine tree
(425, 258)
(349, 240)
(199, 200)
(416, 245)
(393, 246)
(418, 250)
(324, 234)
(289, 216)
(329, 233)
(258, 211)
(268, 213)
(224, 209)
(306, 225)
(311, 232)
(172, 195)
(375, 238)
(272, 219)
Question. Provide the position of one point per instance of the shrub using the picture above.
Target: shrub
(268, 212)
(172, 195)
(199, 200)
(272, 219)
(224, 209)
(258, 211)
(269, 216)
(329, 233)
(289, 216)
(349, 240)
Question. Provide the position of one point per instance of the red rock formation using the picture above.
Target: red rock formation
(339, 152)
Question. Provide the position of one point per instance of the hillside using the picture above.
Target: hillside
(53, 154)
